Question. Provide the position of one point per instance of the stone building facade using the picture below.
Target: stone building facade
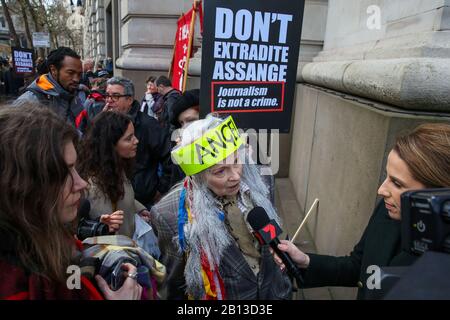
(368, 69)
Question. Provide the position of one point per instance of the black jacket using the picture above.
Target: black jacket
(380, 245)
(153, 151)
(168, 100)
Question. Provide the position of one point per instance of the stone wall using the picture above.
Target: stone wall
(95, 30)
(147, 35)
(359, 93)
(338, 155)
(405, 63)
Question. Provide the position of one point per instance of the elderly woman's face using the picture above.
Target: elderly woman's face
(224, 178)
(398, 180)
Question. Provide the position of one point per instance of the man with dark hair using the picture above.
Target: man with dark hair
(169, 96)
(153, 148)
(185, 110)
(58, 89)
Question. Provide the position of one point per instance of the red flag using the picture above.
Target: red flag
(181, 49)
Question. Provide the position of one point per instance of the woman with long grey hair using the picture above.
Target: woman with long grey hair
(206, 242)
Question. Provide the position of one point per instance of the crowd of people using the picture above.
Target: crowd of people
(10, 82)
(161, 216)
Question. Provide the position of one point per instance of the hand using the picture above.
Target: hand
(107, 107)
(113, 220)
(130, 290)
(300, 258)
(145, 215)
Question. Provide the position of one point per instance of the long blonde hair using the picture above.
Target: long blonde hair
(426, 151)
(33, 173)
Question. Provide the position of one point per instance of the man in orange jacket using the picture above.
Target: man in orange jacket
(58, 89)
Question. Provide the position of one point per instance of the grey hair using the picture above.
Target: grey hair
(126, 83)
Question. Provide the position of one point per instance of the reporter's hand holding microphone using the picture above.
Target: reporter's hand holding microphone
(300, 258)
(266, 231)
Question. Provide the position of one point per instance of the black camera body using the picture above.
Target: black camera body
(426, 221)
(90, 228)
(425, 232)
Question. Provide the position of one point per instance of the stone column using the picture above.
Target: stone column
(147, 37)
(405, 62)
(99, 18)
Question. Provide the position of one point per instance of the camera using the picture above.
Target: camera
(426, 221)
(425, 233)
(90, 228)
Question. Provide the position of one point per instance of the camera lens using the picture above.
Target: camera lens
(89, 228)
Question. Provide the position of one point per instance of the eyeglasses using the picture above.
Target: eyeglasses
(115, 97)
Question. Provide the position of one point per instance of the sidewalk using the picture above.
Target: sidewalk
(292, 215)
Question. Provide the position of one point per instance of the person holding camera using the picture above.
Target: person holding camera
(107, 155)
(39, 198)
(418, 160)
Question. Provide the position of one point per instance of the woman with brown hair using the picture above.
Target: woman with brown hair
(39, 198)
(418, 160)
(107, 161)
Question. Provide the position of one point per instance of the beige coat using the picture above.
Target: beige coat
(100, 204)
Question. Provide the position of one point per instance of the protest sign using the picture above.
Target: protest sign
(22, 60)
(249, 60)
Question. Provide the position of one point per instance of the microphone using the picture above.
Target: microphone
(84, 209)
(266, 230)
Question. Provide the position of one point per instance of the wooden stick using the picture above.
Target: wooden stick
(304, 220)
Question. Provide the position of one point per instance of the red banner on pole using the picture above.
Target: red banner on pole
(200, 15)
(181, 49)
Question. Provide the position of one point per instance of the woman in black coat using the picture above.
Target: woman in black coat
(418, 160)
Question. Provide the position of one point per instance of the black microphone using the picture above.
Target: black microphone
(84, 209)
(266, 230)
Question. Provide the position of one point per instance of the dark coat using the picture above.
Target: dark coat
(153, 151)
(168, 101)
(86, 78)
(17, 282)
(380, 245)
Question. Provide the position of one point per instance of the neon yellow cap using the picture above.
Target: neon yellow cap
(211, 148)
